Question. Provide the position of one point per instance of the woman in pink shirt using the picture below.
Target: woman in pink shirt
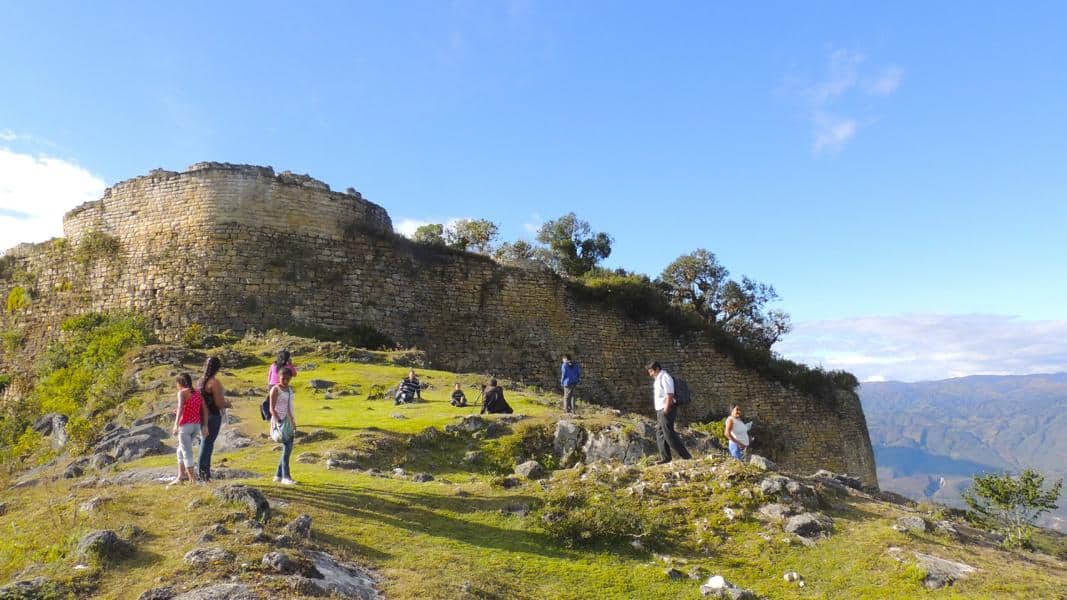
(280, 362)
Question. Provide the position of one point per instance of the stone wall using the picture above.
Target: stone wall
(232, 247)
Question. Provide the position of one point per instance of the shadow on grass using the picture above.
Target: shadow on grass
(405, 511)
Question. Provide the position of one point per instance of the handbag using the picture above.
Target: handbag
(282, 432)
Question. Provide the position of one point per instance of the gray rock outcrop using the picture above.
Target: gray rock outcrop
(809, 525)
(203, 557)
(249, 496)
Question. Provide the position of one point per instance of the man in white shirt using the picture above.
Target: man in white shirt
(663, 399)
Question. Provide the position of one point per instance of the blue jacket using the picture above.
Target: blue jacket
(570, 374)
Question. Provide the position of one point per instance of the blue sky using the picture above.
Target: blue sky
(886, 163)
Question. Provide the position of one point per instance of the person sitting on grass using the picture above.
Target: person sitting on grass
(493, 401)
(190, 419)
(458, 397)
(409, 389)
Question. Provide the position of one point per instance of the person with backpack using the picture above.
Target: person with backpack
(283, 423)
(493, 401)
(737, 433)
(663, 400)
(281, 360)
(569, 378)
(190, 419)
(214, 396)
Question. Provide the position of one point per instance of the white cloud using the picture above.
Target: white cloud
(886, 83)
(832, 99)
(832, 133)
(406, 226)
(921, 347)
(7, 135)
(35, 192)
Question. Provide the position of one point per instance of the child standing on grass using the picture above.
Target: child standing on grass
(283, 423)
(189, 419)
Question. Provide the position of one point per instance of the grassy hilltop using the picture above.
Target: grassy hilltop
(473, 531)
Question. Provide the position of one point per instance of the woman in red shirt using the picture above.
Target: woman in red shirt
(189, 419)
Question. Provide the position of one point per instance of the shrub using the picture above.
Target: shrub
(17, 299)
(82, 375)
(7, 267)
(27, 443)
(582, 516)
(194, 336)
(12, 340)
(531, 441)
(97, 245)
(1012, 503)
(5, 380)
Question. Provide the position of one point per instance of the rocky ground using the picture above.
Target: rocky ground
(426, 500)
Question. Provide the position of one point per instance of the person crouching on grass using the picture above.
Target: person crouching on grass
(189, 419)
(283, 423)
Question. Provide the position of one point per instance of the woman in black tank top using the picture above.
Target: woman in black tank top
(215, 400)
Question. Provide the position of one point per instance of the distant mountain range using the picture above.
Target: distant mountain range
(930, 437)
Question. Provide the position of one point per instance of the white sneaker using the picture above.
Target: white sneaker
(277, 479)
(288, 482)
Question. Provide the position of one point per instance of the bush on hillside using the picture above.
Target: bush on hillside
(641, 299)
(81, 375)
(17, 299)
(1012, 503)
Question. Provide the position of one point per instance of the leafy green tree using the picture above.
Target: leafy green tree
(431, 233)
(518, 252)
(573, 248)
(699, 281)
(1012, 503)
(476, 235)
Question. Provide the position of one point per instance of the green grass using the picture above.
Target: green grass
(430, 539)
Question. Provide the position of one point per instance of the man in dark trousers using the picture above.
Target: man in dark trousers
(663, 399)
(569, 377)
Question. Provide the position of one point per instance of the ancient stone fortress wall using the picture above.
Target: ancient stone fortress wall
(236, 247)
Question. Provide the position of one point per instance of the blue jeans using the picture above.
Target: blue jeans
(283, 464)
(736, 451)
(214, 422)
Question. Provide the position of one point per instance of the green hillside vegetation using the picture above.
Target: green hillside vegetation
(592, 531)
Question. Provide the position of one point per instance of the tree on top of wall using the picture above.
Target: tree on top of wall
(699, 281)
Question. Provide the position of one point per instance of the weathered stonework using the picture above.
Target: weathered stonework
(238, 247)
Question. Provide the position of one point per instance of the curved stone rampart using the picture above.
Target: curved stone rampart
(238, 247)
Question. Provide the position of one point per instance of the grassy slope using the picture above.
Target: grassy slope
(427, 540)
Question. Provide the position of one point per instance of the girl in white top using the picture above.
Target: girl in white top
(282, 416)
(737, 433)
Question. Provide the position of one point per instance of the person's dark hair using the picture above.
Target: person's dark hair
(184, 380)
(566, 357)
(211, 368)
(654, 366)
(285, 372)
(734, 407)
(492, 382)
(282, 359)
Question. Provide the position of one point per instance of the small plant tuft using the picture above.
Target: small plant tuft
(17, 299)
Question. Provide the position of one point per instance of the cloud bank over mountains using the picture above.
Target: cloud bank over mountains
(922, 347)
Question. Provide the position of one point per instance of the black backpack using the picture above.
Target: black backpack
(681, 392)
(264, 409)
